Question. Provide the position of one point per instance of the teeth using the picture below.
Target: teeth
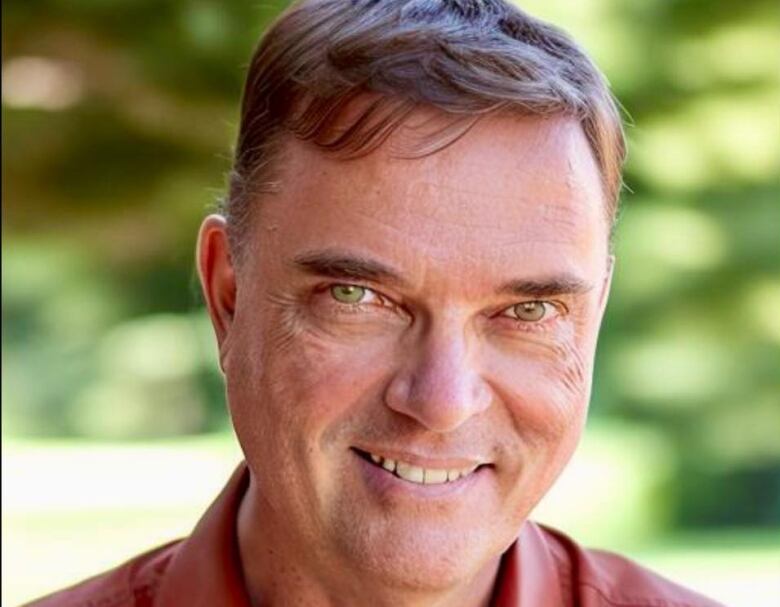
(435, 477)
(410, 473)
(417, 474)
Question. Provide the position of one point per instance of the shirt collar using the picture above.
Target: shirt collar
(207, 567)
(528, 576)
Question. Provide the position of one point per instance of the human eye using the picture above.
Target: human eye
(349, 303)
(350, 294)
(532, 312)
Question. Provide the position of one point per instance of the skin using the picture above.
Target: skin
(433, 367)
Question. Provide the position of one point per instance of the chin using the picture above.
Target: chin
(416, 558)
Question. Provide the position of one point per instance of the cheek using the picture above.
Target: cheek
(307, 382)
(546, 385)
(290, 393)
(331, 375)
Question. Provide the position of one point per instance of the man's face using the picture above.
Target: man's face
(409, 359)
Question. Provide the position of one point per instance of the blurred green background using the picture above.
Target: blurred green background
(118, 120)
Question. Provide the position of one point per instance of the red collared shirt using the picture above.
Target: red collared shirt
(543, 568)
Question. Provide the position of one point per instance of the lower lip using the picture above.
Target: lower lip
(388, 484)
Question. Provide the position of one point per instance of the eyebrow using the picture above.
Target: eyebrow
(346, 266)
(565, 284)
(335, 264)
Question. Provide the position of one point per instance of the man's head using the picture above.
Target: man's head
(408, 286)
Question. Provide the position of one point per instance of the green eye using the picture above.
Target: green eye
(348, 294)
(530, 311)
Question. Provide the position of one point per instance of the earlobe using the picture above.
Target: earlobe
(217, 277)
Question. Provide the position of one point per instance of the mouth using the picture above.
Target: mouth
(418, 474)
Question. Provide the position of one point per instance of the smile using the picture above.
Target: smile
(417, 474)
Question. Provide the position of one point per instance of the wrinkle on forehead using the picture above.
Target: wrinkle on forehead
(530, 150)
(528, 186)
(553, 228)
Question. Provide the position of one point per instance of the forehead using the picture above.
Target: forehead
(511, 188)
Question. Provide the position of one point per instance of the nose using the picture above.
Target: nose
(439, 384)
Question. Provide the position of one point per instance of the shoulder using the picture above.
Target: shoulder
(132, 584)
(605, 579)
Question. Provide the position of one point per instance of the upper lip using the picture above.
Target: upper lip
(425, 461)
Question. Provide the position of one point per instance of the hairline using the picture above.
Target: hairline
(240, 235)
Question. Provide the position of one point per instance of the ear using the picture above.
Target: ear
(217, 277)
(606, 284)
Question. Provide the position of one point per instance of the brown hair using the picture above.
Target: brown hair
(466, 58)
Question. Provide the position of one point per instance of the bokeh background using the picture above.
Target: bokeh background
(118, 120)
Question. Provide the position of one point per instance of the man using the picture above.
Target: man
(406, 286)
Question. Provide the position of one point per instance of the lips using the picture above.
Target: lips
(418, 474)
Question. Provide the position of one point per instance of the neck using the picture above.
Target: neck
(280, 568)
